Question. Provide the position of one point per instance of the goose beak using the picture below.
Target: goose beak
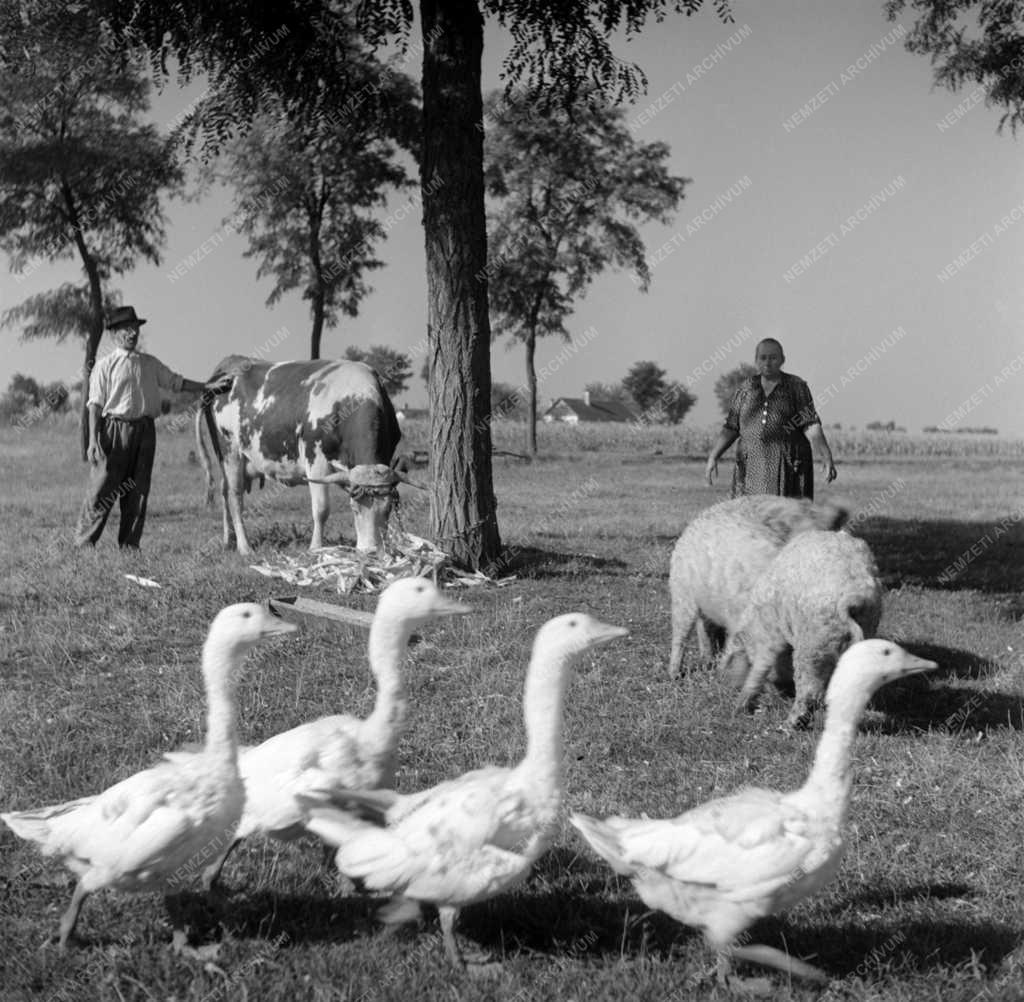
(605, 632)
(445, 606)
(912, 665)
(273, 625)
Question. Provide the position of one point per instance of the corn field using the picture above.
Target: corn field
(558, 440)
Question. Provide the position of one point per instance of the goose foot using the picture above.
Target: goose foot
(769, 956)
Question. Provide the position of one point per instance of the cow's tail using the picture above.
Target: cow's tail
(205, 416)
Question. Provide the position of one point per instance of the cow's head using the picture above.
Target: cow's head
(372, 491)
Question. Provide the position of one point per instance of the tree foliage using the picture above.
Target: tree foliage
(81, 173)
(25, 395)
(729, 382)
(660, 401)
(66, 311)
(675, 403)
(645, 383)
(393, 367)
(508, 401)
(972, 41)
(292, 47)
(568, 188)
(306, 189)
(608, 391)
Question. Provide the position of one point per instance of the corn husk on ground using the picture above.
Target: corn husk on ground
(347, 570)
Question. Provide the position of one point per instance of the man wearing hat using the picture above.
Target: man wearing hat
(124, 398)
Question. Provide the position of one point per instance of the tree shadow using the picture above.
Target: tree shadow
(533, 563)
(947, 554)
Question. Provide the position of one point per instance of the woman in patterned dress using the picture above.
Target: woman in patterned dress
(773, 417)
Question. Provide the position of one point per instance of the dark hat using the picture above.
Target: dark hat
(123, 316)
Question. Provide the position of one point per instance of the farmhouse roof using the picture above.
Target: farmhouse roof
(594, 410)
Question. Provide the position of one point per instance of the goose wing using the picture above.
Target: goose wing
(460, 841)
(743, 845)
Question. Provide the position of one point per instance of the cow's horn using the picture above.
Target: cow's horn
(341, 478)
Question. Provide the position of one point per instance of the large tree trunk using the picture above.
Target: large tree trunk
(462, 512)
(95, 332)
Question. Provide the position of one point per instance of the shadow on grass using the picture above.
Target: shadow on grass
(925, 702)
(921, 945)
(948, 554)
(267, 915)
(532, 563)
(572, 927)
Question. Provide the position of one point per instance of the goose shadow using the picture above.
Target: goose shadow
(593, 922)
(917, 945)
(947, 554)
(268, 915)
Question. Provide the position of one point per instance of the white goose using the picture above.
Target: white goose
(722, 865)
(152, 830)
(470, 838)
(338, 751)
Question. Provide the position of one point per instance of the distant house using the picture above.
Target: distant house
(573, 410)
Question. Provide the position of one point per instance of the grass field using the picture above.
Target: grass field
(99, 677)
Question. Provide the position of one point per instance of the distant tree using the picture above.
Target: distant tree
(972, 41)
(508, 401)
(675, 403)
(56, 395)
(394, 367)
(21, 395)
(660, 401)
(24, 394)
(609, 391)
(645, 383)
(24, 390)
(729, 382)
(306, 190)
(81, 173)
(567, 188)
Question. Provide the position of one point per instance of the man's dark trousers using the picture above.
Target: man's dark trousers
(123, 476)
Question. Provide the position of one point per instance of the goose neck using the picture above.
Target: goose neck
(831, 778)
(543, 704)
(389, 641)
(220, 663)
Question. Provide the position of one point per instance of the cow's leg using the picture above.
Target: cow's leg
(231, 489)
(321, 502)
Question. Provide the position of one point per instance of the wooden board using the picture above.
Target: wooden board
(291, 604)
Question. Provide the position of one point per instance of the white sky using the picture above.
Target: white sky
(926, 194)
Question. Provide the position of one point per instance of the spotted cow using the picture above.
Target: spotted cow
(315, 423)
